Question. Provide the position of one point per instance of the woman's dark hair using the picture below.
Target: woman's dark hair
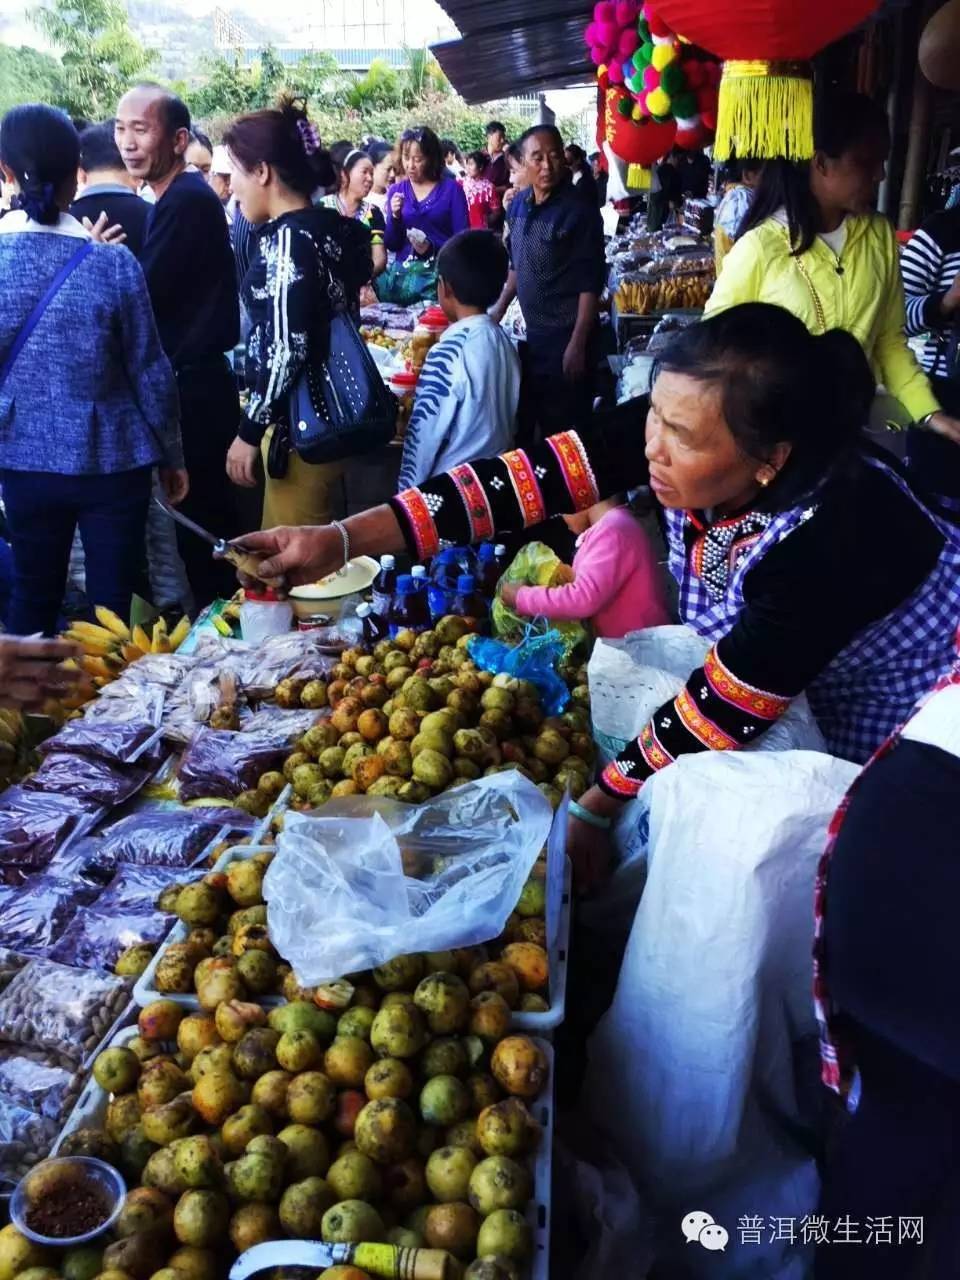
(283, 138)
(841, 123)
(480, 159)
(199, 136)
(345, 156)
(429, 145)
(576, 151)
(780, 384)
(450, 148)
(40, 146)
(515, 153)
(378, 152)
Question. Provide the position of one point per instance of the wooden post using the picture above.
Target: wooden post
(918, 144)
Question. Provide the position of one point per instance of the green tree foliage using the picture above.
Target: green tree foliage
(99, 54)
(27, 75)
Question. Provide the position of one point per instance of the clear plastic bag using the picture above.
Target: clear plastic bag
(11, 962)
(88, 779)
(280, 726)
(535, 659)
(118, 742)
(95, 940)
(34, 824)
(134, 890)
(373, 878)
(223, 763)
(51, 1006)
(34, 916)
(25, 1139)
(42, 1082)
(166, 837)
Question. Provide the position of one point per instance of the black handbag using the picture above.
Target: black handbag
(340, 406)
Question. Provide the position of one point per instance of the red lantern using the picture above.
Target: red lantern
(766, 98)
(639, 143)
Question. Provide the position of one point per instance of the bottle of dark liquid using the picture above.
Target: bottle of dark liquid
(374, 627)
(410, 607)
(384, 585)
(443, 582)
(488, 569)
(468, 603)
(503, 559)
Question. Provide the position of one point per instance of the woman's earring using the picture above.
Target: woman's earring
(764, 480)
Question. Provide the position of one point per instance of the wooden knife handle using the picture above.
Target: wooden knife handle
(394, 1263)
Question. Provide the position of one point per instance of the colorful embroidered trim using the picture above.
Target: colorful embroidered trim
(421, 523)
(475, 501)
(653, 752)
(755, 702)
(704, 730)
(575, 465)
(525, 487)
(617, 783)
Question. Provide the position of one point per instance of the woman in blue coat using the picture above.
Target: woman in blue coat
(88, 402)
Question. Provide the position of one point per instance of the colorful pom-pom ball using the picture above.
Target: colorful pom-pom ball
(643, 31)
(656, 24)
(605, 11)
(706, 99)
(628, 44)
(672, 79)
(642, 103)
(607, 34)
(634, 83)
(709, 120)
(624, 107)
(651, 78)
(695, 73)
(658, 102)
(590, 33)
(663, 55)
(685, 106)
(691, 139)
(598, 57)
(627, 12)
(646, 51)
(615, 73)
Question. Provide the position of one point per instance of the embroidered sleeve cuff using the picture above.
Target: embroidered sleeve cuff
(615, 782)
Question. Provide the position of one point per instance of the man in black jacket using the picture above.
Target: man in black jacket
(108, 188)
(189, 268)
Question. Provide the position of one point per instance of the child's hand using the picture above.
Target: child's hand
(508, 594)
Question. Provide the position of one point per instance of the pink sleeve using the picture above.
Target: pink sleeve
(601, 569)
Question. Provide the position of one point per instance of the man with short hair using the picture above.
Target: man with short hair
(557, 270)
(107, 187)
(498, 170)
(189, 268)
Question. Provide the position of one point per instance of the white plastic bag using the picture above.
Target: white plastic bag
(631, 678)
(339, 898)
(692, 1067)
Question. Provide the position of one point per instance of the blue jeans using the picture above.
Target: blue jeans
(44, 510)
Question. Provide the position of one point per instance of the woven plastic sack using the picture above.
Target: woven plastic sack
(372, 878)
(535, 565)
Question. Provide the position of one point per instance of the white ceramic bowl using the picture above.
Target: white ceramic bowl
(327, 595)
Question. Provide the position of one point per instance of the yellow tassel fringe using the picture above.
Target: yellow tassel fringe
(763, 114)
(638, 178)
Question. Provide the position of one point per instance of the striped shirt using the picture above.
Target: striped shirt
(930, 264)
(466, 401)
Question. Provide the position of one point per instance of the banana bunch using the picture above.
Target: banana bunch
(11, 739)
(109, 646)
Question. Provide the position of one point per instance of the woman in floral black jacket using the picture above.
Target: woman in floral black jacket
(311, 263)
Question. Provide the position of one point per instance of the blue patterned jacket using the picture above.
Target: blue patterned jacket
(91, 392)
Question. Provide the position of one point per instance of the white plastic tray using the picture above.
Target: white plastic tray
(90, 1110)
(559, 887)
(145, 992)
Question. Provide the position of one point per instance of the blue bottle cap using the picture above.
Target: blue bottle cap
(487, 551)
(465, 584)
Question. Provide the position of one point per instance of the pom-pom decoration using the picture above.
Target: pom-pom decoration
(766, 98)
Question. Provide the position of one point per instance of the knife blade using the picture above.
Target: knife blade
(384, 1260)
(246, 561)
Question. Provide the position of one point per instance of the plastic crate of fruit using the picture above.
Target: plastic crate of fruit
(91, 1109)
(558, 901)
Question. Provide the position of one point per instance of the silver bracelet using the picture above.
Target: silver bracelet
(341, 529)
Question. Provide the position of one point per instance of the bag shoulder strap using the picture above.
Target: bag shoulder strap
(35, 316)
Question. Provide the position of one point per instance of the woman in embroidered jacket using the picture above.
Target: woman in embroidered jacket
(803, 555)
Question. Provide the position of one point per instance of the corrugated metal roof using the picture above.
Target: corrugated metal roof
(512, 45)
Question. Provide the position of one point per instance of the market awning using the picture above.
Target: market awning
(515, 46)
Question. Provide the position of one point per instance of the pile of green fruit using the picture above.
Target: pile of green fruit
(417, 716)
(390, 1107)
(227, 955)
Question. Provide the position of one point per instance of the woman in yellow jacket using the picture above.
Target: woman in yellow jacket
(811, 244)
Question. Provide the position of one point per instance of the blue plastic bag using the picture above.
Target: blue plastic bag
(535, 659)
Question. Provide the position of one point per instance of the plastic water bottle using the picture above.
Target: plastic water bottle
(443, 582)
(384, 586)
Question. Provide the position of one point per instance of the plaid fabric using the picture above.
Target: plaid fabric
(873, 684)
(837, 1066)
